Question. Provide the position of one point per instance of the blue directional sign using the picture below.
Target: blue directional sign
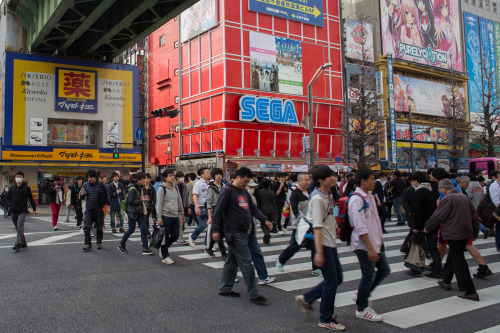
(308, 11)
(139, 134)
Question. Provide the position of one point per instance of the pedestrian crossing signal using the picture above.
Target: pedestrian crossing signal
(116, 153)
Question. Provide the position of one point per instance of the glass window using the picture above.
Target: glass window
(480, 2)
(71, 132)
(494, 7)
(162, 40)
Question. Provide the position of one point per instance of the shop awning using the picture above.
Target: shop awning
(478, 146)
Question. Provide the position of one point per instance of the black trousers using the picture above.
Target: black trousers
(456, 264)
(78, 214)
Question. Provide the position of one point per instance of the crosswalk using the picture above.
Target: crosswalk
(405, 302)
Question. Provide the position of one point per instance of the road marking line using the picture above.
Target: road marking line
(440, 309)
(53, 239)
(494, 329)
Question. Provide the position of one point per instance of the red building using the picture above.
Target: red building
(219, 51)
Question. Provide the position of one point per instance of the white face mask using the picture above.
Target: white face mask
(251, 190)
(181, 179)
(19, 180)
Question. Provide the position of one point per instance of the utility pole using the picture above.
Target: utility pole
(411, 139)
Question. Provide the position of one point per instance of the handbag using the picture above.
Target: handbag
(415, 259)
(486, 211)
(157, 237)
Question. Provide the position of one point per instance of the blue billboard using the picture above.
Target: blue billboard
(492, 61)
(473, 51)
(310, 12)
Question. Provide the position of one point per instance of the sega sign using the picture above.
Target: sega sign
(268, 110)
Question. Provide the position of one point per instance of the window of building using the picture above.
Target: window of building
(71, 133)
(473, 2)
(466, 1)
(487, 4)
(494, 7)
(480, 3)
(162, 40)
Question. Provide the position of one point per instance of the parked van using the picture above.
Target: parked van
(486, 164)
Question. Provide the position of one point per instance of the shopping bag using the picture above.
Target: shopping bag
(157, 237)
(415, 259)
(304, 231)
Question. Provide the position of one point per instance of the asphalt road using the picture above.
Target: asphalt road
(53, 286)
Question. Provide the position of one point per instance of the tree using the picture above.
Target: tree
(361, 117)
(486, 120)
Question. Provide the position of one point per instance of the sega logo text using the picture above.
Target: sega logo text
(267, 110)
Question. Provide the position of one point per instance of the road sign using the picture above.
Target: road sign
(139, 134)
(338, 159)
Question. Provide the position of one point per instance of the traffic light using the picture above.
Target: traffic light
(173, 113)
(159, 112)
(116, 153)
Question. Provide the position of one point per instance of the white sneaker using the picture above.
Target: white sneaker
(355, 299)
(167, 261)
(191, 241)
(281, 232)
(368, 314)
(267, 280)
(279, 266)
(236, 280)
(285, 231)
(56, 228)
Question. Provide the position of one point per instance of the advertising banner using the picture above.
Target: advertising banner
(493, 62)
(359, 40)
(473, 50)
(497, 50)
(422, 133)
(71, 155)
(390, 78)
(69, 103)
(309, 11)
(424, 31)
(275, 64)
(199, 18)
(426, 97)
(485, 52)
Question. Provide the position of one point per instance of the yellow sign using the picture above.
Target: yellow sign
(73, 155)
(76, 84)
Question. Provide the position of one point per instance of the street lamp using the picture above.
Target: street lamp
(310, 101)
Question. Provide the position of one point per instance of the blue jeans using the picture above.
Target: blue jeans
(132, 220)
(369, 279)
(293, 248)
(327, 290)
(5, 211)
(239, 256)
(483, 229)
(112, 216)
(202, 223)
(397, 208)
(257, 257)
(171, 226)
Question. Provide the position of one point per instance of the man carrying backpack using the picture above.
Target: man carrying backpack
(137, 212)
(169, 208)
(96, 196)
(367, 242)
(320, 215)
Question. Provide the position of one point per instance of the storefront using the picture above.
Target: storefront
(64, 117)
(241, 75)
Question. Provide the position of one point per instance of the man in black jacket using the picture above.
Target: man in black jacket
(424, 205)
(76, 202)
(136, 202)
(265, 203)
(237, 209)
(396, 187)
(407, 201)
(17, 198)
(96, 195)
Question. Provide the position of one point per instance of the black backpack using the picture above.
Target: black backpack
(346, 229)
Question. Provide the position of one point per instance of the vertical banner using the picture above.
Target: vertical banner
(485, 56)
(473, 51)
(497, 49)
(493, 62)
(390, 78)
(382, 140)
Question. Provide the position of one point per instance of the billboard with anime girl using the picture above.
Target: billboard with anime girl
(423, 31)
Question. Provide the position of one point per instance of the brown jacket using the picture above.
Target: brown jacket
(458, 216)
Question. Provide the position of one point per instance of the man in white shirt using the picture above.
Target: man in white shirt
(200, 191)
(367, 242)
(320, 215)
(495, 197)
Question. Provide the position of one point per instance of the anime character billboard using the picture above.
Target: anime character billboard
(423, 31)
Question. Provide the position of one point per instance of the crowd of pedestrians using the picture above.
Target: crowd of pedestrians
(438, 206)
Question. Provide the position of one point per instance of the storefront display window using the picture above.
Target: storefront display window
(71, 132)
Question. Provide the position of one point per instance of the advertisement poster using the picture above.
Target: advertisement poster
(198, 19)
(390, 79)
(426, 97)
(497, 50)
(473, 50)
(309, 11)
(275, 64)
(421, 133)
(493, 62)
(423, 31)
(359, 40)
(64, 132)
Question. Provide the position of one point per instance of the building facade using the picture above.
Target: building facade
(239, 75)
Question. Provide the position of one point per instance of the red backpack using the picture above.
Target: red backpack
(344, 228)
